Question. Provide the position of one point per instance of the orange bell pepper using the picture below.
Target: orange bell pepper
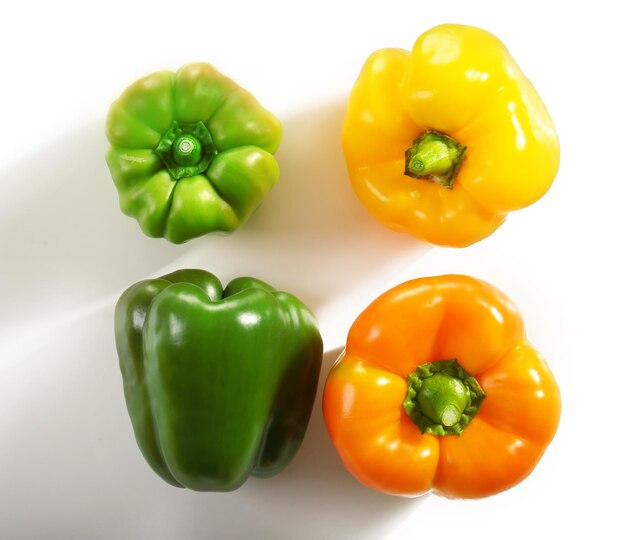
(438, 389)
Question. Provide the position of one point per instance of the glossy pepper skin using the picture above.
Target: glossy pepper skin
(191, 152)
(423, 322)
(219, 383)
(461, 82)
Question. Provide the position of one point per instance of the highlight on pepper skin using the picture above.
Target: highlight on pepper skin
(443, 141)
(438, 389)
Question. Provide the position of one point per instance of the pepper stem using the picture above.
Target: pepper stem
(187, 150)
(450, 416)
(442, 398)
(436, 157)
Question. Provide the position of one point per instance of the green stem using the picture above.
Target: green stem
(186, 149)
(442, 398)
(436, 157)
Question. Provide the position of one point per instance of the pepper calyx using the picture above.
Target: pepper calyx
(436, 157)
(186, 149)
(442, 398)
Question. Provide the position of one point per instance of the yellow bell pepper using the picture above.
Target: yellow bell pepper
(442, 142)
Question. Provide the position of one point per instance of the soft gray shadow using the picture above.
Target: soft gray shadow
(64, 242)
(324, 499)
(310, 221)
(312, 236)
(75, 470)
(71, 468)
(314, 497)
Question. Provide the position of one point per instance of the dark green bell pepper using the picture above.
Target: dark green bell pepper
(219, 384)
(191, 152)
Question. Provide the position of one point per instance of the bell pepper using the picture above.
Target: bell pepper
(439, 389)
(442, 142)
(219, 383)
(191, 152)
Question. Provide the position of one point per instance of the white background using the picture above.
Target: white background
(69, 467)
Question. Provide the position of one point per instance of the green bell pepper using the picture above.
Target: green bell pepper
(191, 152)
(219, 384)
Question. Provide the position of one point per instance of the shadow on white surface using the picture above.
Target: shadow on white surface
(312, 236)
(65, 244)
(71, 468)
(63, 241)
(321, 498)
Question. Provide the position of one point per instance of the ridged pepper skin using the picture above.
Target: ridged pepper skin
(191, 152)
(219, 383)
(461, 82)
(367, 397)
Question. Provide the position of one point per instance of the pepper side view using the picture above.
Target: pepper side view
(219, 383)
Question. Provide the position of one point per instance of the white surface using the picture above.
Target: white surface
(69, 467)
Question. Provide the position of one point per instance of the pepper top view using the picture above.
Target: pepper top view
(191, 152)
(439, 389)
(443, 141)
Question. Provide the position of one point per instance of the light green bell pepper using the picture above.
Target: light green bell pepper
(191, 152)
